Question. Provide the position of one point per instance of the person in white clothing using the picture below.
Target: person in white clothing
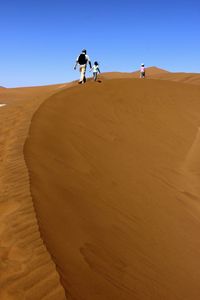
(142, 71)
(83, 59)
(95, 69)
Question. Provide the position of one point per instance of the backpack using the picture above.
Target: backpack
(82, 60)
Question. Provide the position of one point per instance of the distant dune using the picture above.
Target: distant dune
(156, 73)
(191, 78)
(150, 71)
(114, 169)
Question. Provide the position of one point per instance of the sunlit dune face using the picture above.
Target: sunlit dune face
(106, 173)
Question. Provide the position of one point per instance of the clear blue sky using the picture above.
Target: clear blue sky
(40, 40)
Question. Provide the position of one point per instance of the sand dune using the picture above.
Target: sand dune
(191, 78)
(26, 268)
(112, 170)
(151, 71)
(121, 212)
(156, 73)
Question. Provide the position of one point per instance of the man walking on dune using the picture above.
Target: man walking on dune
(83, 59)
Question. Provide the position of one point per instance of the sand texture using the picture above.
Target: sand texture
(26, 268)
(114, 169)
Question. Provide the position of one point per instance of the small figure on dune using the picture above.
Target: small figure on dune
(83, 59)
(142, 71)
(95, 69)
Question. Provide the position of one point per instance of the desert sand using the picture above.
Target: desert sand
(150, 73)
(26, 268)
(113, 211)
(157, 73)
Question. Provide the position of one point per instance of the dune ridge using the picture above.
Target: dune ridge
(157, 73)
(150, 71)
(26, 268)
(191, 78)
(109, 165)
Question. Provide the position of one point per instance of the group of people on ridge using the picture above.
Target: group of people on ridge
(83, 59)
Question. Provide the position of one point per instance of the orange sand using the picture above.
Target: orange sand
(115, 181)
(156, 73)
(26, 268)
(114, 169)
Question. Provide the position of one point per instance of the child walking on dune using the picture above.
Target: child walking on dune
(142, 71)
(95, 69)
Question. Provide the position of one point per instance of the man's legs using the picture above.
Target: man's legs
(82, 71)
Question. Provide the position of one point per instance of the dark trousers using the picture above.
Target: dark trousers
(95, 76)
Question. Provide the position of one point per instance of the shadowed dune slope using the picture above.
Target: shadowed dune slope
(107, 173)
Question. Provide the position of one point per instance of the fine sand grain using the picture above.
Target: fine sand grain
(114, 171)
(26, 268)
